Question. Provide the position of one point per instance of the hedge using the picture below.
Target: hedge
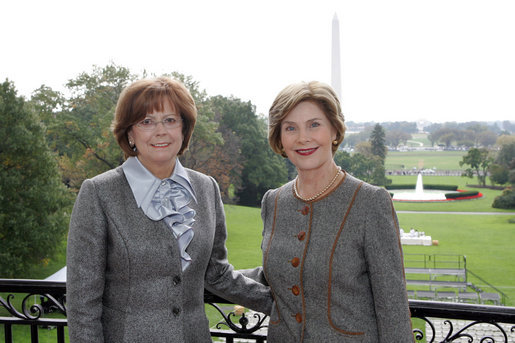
(440, 187)
(461, 194)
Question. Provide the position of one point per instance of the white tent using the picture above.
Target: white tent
(59, 275)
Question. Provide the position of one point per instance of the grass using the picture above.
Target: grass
(244, 236)
(441, 160)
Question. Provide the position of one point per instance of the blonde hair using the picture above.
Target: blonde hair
(146, 96)
(318, 92)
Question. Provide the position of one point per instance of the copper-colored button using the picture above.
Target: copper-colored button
(295, 290)
(295, 262)
(305, 210)
(301, 235)
(298, 318)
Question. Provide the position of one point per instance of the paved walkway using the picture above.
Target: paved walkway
(465, 213)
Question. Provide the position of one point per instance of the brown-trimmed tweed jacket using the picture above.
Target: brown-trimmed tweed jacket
(124, 276)
(335, 266)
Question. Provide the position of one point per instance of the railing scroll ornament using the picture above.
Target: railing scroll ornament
(212, 299)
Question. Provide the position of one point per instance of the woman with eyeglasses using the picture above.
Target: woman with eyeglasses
(146, 237)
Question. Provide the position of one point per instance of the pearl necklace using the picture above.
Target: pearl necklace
(319, 193)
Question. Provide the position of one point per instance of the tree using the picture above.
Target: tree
(505, 139)
(365, 149)
(505, 171)
(82, 129)
(508, 126)
(47, 103)
(262, 168)
(214, 150)
(507, 154)
(395, 137)
(432, 138)
(479, 162)
(487, 138)
(377, 140)
(474, 130)
(499, 174)
(367, 168)
(402, 126)
(206, 152)
(353, 139)
(33, 201)
(444, 134)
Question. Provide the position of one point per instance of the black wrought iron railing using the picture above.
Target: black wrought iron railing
(41, 304)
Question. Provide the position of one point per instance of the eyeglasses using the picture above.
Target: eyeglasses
(149, 124)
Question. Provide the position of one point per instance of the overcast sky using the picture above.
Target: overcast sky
(441, 60)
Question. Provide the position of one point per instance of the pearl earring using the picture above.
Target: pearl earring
(132, 145)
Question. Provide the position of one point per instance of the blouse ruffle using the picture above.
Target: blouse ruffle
(170, 202)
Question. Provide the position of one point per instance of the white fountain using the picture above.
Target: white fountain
(419, 194)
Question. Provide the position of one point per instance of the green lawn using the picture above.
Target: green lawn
(441, 160)
(244, 236)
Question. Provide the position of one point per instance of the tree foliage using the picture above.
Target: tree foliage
(33, 201)
(401, 126)
(367, 168)
(504, 172)
(353, 139)
(377, 141)
(478, 161)
(499, 174)
(262, 169)
(394, 138)
(79, 127)
(506, 155)
(472, 134)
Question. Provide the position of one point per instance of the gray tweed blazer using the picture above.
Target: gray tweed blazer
(124, 277)
(335, 266)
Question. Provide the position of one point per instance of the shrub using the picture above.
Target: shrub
(400, 186)
(442, 187)
(506, 200)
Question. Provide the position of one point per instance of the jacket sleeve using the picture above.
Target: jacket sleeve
(86, 255)
(383, 252)
(223, 280)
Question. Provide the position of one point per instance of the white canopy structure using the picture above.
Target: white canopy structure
(59, 275)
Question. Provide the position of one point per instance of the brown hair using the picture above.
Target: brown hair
(146, 96)
(321, 94)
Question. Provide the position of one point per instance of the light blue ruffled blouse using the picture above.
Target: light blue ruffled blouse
(166, 199)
